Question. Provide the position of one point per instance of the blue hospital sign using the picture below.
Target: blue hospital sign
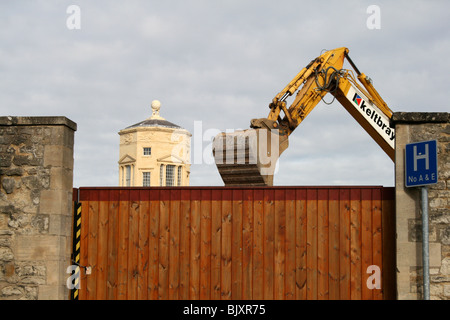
(421, 163)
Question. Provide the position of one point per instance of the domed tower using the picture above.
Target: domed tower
(154, 152)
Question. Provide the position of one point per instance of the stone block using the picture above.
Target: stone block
(54, 272)
(12, 292)
(34, 182)
(440, 217)
(68, 158)
(438, 202)
(5, 240)
(8, 270)
(6, 254)
(438, 278)
(51, 202)
(61, 178)
(445, 266)
(53, 292)
(5, 160)
(415, 231)
(436, 290)
(11, 172)
(20, 222)
(8, 185)
(58, 135)
(31, 272)
(8, 209)
(3, 221)
(31, 293)
(53, 155)
(447, 290)
(410, 254)
(445, 235)
(57, 272)
(60, 225)
(37, 247)
(40, 223)
(434, 271)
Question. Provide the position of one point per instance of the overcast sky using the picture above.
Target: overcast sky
(219, 63)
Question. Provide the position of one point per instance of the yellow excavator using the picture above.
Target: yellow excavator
(248, 157)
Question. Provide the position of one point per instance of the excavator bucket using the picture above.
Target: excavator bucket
(248, 157)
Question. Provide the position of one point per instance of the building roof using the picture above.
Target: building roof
(155, 120)
(155, 123)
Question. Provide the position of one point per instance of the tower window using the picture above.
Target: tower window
(146, 179)
(128, 175)
(161, 175)
(179, 175)
(170, 175)
(147, 151)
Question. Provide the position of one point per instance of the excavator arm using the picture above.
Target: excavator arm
(249, 157)
(308, 90)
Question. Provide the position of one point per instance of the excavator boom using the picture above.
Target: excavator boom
(249, 157)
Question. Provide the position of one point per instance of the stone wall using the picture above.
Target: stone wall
(416, 127)
(36, 176)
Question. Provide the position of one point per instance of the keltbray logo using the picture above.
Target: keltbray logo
(373, 115)
(357, 99)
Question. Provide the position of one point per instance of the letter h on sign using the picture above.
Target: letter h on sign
(421, 156)
(421, 163)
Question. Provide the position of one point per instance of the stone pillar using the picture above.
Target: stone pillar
(409, 128)
(36, 177)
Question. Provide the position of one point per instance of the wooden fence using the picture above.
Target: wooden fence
(237, 243)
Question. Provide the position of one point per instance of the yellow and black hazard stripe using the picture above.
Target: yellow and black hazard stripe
(76, 250)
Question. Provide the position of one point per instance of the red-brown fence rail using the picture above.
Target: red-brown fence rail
(237, 243)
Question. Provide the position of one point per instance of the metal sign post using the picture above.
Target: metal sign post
(425, 245)
(421, 170)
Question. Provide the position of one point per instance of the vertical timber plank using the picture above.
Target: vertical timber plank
(185, 226)
(91, 285)
(205, 247)
(247, 244)
(290, 245)
(113, 241)
(133, 245)
(258, 245)
(322, 244)
(143, 242)
(333, 248)
(194, 276)
(122, 258)
(344, 244)
(226, 279)
(164, 238)
(102, 244)
(311, 244)
(355, 244)
(300, 244)
(236, 245)
(269, 238)
(153, 254)
(279, 244)
(174, 244)
(216, 241)
(366, 241)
